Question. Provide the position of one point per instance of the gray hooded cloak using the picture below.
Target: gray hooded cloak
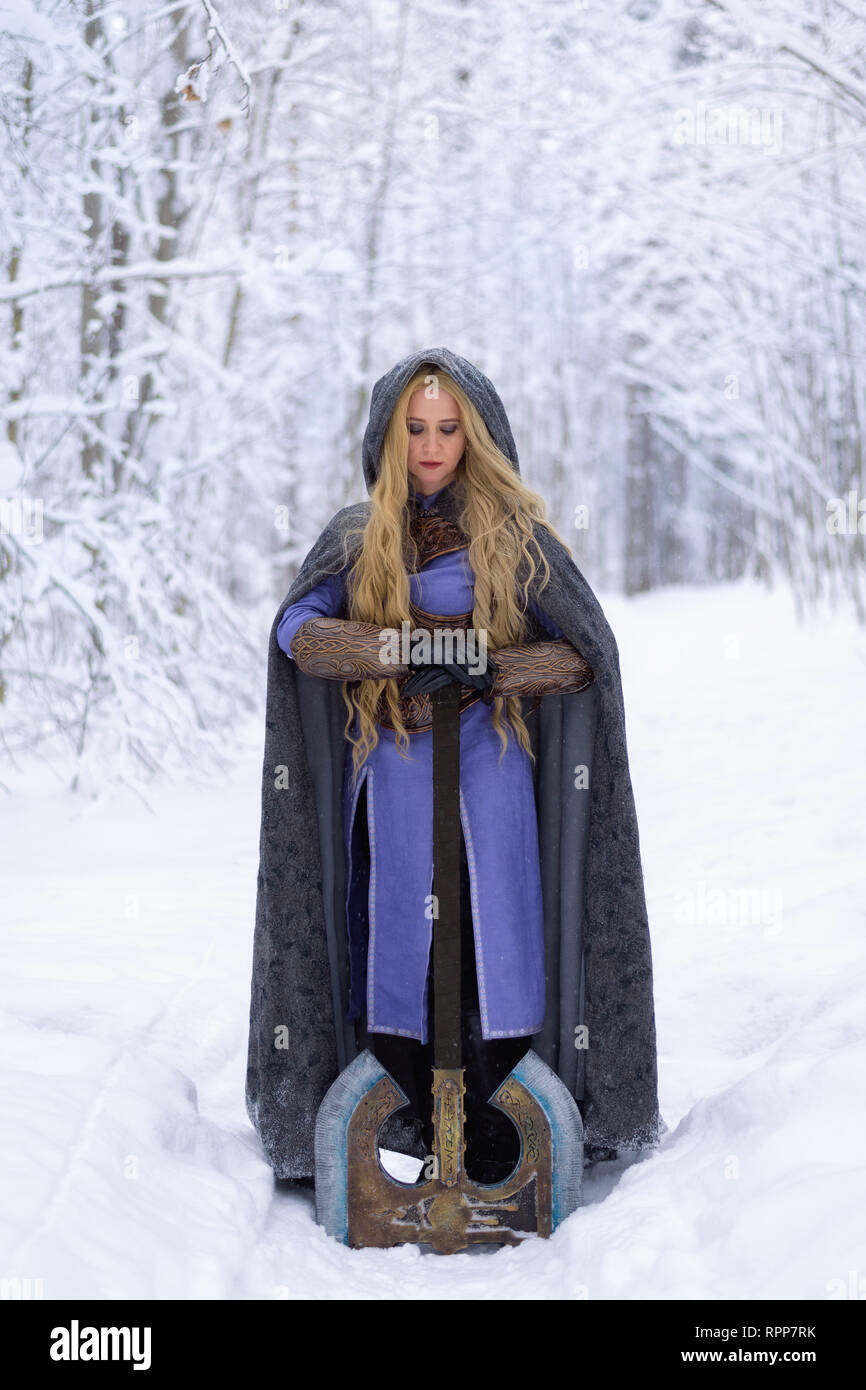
(599, 1029)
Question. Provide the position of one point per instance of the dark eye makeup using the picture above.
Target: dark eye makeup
(446, 429)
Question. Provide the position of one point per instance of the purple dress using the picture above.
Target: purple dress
(390, 952)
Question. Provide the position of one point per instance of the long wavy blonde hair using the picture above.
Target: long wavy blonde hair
(495, 509)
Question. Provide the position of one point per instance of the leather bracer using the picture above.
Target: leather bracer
(342, 649)
(534, 669)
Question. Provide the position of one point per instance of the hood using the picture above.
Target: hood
(480, 391)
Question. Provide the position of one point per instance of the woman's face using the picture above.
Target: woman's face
(436, 440)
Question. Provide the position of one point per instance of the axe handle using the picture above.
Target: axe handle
(446, 876)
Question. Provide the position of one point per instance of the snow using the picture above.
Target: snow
(131, 1170)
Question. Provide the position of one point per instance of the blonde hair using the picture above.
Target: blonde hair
(495, 509)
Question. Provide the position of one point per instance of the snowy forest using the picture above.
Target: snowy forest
(220, 224)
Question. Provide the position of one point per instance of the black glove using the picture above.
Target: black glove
(432, 675)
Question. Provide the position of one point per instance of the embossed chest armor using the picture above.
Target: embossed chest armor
(434, 532)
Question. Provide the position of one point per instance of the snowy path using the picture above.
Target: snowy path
(130, 1169)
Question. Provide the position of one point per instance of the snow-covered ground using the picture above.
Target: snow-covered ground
(129, 1167)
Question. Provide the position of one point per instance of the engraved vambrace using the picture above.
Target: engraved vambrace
(534, 669)
(342, 649)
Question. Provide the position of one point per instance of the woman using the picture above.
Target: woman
(436, 440)
(451, 540)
